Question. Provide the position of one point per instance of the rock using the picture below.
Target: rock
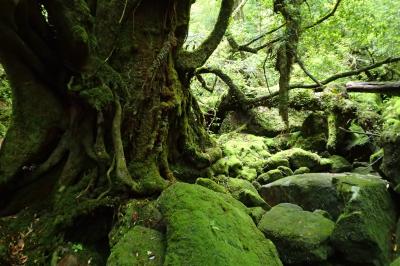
(208, 228)
(391, 157)
(339, 164)
(302, 170)
(300, 236)
(296, 158)
(310, 191)
(210, 184)
(361, 204)
(256, 213)
(252, 151)
(270, 176)
(139, 246)
(274, 162)
(245, 192)
(247, 173)
(286, 171)
(363, 231)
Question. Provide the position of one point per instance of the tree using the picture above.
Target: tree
(101, 95)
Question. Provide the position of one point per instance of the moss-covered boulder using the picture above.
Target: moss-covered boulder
(270, 176)
(208, 228)
(363, 231)
(310, 191)
(339, 164)
(296, 158)
(300, 236)
(301, 170)
(139, 246)
(252, 151)
(211, 184)
(361, 204)
(245, 192)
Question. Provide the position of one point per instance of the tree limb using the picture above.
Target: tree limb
(331, 13)
(346, 74)
(392, 88)
(195, 59)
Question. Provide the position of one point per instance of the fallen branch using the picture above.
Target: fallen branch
(392, 88)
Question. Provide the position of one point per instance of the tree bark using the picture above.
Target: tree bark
(115, 104)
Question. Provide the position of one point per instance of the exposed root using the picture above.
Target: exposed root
(121, 170)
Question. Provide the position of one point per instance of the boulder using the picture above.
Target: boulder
(208, 228)
(245, 192)
(360, 204)
(339, 164)
(301, 237)
(270, 176)
(139, 246)
(211, 184)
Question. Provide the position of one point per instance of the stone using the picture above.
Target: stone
(339, 164)
(302, 170)
(300, 236)
(270, 176)
(208, 228)
(361, 205)
(211, 184)
(139, 246)
(245, 192)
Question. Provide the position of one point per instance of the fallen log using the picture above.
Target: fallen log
(391, 88)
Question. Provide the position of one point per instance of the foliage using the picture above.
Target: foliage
(5, 103)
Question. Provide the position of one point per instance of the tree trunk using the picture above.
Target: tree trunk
(101, 96)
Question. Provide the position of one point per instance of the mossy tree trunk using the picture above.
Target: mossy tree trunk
(101, 97)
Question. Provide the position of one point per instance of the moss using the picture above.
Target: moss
(256, 213)
(251, 150)
(275, 161)
(246, 173)
(296, 157)
(270, 176)
(286, 171)
(245, 192)
(135, 212)
(139, 246)
(208, 228)
(98, 97)
(300, 236)
(362, 231)
(339, 164)
(302, 170)
(396, 262)
(210, 184)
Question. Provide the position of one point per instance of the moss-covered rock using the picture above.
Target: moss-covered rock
(270, 176)
(274, 162)
(363, 231)
(286, 171)
(362, 204)
(139, 246)
(208, 228)
(339, 164)
(245, 192)
(300, 236)
(256, 213)
(295, 158)
(210, 184)
(302, 170)
(252, 150)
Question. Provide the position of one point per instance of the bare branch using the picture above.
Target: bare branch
(330, 14)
